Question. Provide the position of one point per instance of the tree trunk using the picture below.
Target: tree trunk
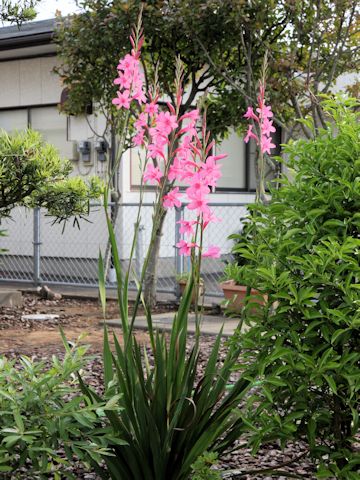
(151, 275)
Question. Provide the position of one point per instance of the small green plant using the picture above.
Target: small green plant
(305, 340)
(202, 468)
(42, 412)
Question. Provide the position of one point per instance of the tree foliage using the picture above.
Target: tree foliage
(18, 11)
(222, 44)
(309, 44)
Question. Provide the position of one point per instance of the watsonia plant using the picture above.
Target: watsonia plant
(170, 413)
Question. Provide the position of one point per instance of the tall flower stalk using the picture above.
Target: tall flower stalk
(260, 129)
(170, 413)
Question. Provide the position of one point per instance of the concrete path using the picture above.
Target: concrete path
(211, 324)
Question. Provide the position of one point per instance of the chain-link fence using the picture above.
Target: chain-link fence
(39, 252)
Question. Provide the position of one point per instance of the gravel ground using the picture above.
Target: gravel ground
(85, 314)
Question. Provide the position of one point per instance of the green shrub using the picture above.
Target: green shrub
(41, 412)
(306, 339)
(33, 174)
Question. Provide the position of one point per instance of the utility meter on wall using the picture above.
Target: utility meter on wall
(84, 148)
(101, 148)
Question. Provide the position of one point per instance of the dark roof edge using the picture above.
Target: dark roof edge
(30, 41)
(27, 35)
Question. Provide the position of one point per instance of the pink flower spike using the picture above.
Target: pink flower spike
(152, 174)
(172, 199)
(185, 247)
(250, 114)
(212, 252)
(250, 134)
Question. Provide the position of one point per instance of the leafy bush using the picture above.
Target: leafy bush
(305, 257)
(41, 412)
(233, 269)
(33, 174)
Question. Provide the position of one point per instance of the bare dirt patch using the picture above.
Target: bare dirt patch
(77, 317)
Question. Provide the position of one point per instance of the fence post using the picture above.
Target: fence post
(37, 243)
(139, 250)
(179, 259)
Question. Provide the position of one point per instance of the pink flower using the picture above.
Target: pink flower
(267, 127)
(156, 151)
(266, 144)
(139, 95)
(185, 247)
(213, 252)
(209, 217)
(250, 134)
(210, 172)
(151, 108)
(165, 123)
(198, 202)
(172, 198)
(197, 186)
(141, 121)
(187, 227)
(152, 174)
(176, 170)
(265, 111)
(123, 81)
(122, 100)
(250, 114)
(128, 63)
(138, 139)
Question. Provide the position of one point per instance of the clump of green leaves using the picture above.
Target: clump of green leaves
(305, 256)
(18, 11)
(202, 467)
(33, 174)
(42, 412)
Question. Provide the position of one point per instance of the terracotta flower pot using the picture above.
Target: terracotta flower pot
(237, 293)
(182, 285)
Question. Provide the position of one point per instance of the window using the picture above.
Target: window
(234, 165)
(238, 168)
(51, 124)
(12, 120)
(47, 120)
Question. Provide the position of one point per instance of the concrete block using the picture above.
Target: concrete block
(10, 298)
